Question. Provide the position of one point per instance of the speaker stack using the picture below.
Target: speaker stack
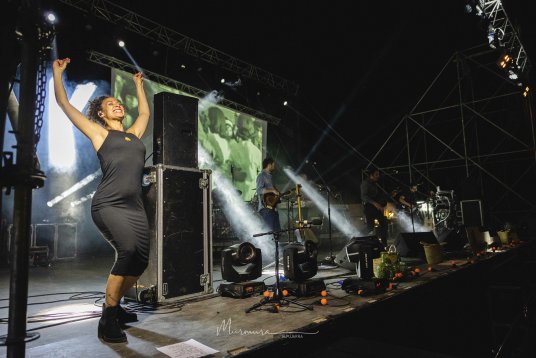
(175, 130)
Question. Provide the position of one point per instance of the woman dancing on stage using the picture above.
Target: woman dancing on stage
(117, 207)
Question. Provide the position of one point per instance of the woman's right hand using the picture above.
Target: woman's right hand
(60, 65)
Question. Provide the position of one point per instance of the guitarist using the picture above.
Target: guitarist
(265, 188)
(375, 202)
(408, 198)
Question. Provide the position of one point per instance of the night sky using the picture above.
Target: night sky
(361, 66)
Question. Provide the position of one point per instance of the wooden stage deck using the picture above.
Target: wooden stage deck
(439, 314)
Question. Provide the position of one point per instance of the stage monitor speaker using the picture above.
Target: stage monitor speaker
(175, 130)
(408, 244)
(357, 255)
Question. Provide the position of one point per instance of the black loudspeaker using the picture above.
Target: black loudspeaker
(175, 130)
(357, 255)
(408, 244)
(452, 240)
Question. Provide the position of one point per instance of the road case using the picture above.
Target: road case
(178, 205)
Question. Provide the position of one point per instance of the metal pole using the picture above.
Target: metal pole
(409, 154)
(431, 85)
(529, 105)
(458, 62)
(530, 203)
(386, 141)
(497, 127)
(465, 103)
(18, 289)
(7, 71)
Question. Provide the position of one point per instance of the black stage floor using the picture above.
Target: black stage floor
(442, 313)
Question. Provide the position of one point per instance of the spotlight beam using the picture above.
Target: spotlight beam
(351, 98)
(134, 62)
(75, 188)
(337, 219)
(243, 221)
(61, 144)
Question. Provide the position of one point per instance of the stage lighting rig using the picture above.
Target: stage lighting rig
(51, 17)
(473, 7)
(512, 75)
(505, 61)
(500, 31)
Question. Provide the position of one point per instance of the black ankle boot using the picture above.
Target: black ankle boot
(124, 316)
(109, 329)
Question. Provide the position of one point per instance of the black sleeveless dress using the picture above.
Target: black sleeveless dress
(117, 206)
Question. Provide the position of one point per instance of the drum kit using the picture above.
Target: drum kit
(438, 212)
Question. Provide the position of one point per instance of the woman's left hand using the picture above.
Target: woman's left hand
(138, 78)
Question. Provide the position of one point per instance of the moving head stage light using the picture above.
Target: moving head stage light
(241, 263)
(299, 263)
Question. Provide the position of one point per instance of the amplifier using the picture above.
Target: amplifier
(241, 289)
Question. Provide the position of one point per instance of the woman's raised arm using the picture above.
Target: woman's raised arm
(140, 124)
(90, 129)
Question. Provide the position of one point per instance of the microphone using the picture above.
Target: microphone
(308, 223)
(315, 221)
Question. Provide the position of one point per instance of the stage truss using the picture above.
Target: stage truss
(108, 61)
(118, 15)
(472, 131)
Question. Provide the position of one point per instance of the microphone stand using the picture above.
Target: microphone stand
(411, 212)
(289, 216)
(331, 259)
(277, 299)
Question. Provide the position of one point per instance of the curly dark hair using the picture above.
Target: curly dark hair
(93, 109)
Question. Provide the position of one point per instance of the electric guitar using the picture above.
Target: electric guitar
(271, 199)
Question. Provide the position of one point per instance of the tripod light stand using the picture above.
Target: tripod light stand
(330, 260)
(277, 298)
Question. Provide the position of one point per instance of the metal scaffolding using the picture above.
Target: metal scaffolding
(112, 62)
(500, 27)
(472, 128)
(147, 28)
